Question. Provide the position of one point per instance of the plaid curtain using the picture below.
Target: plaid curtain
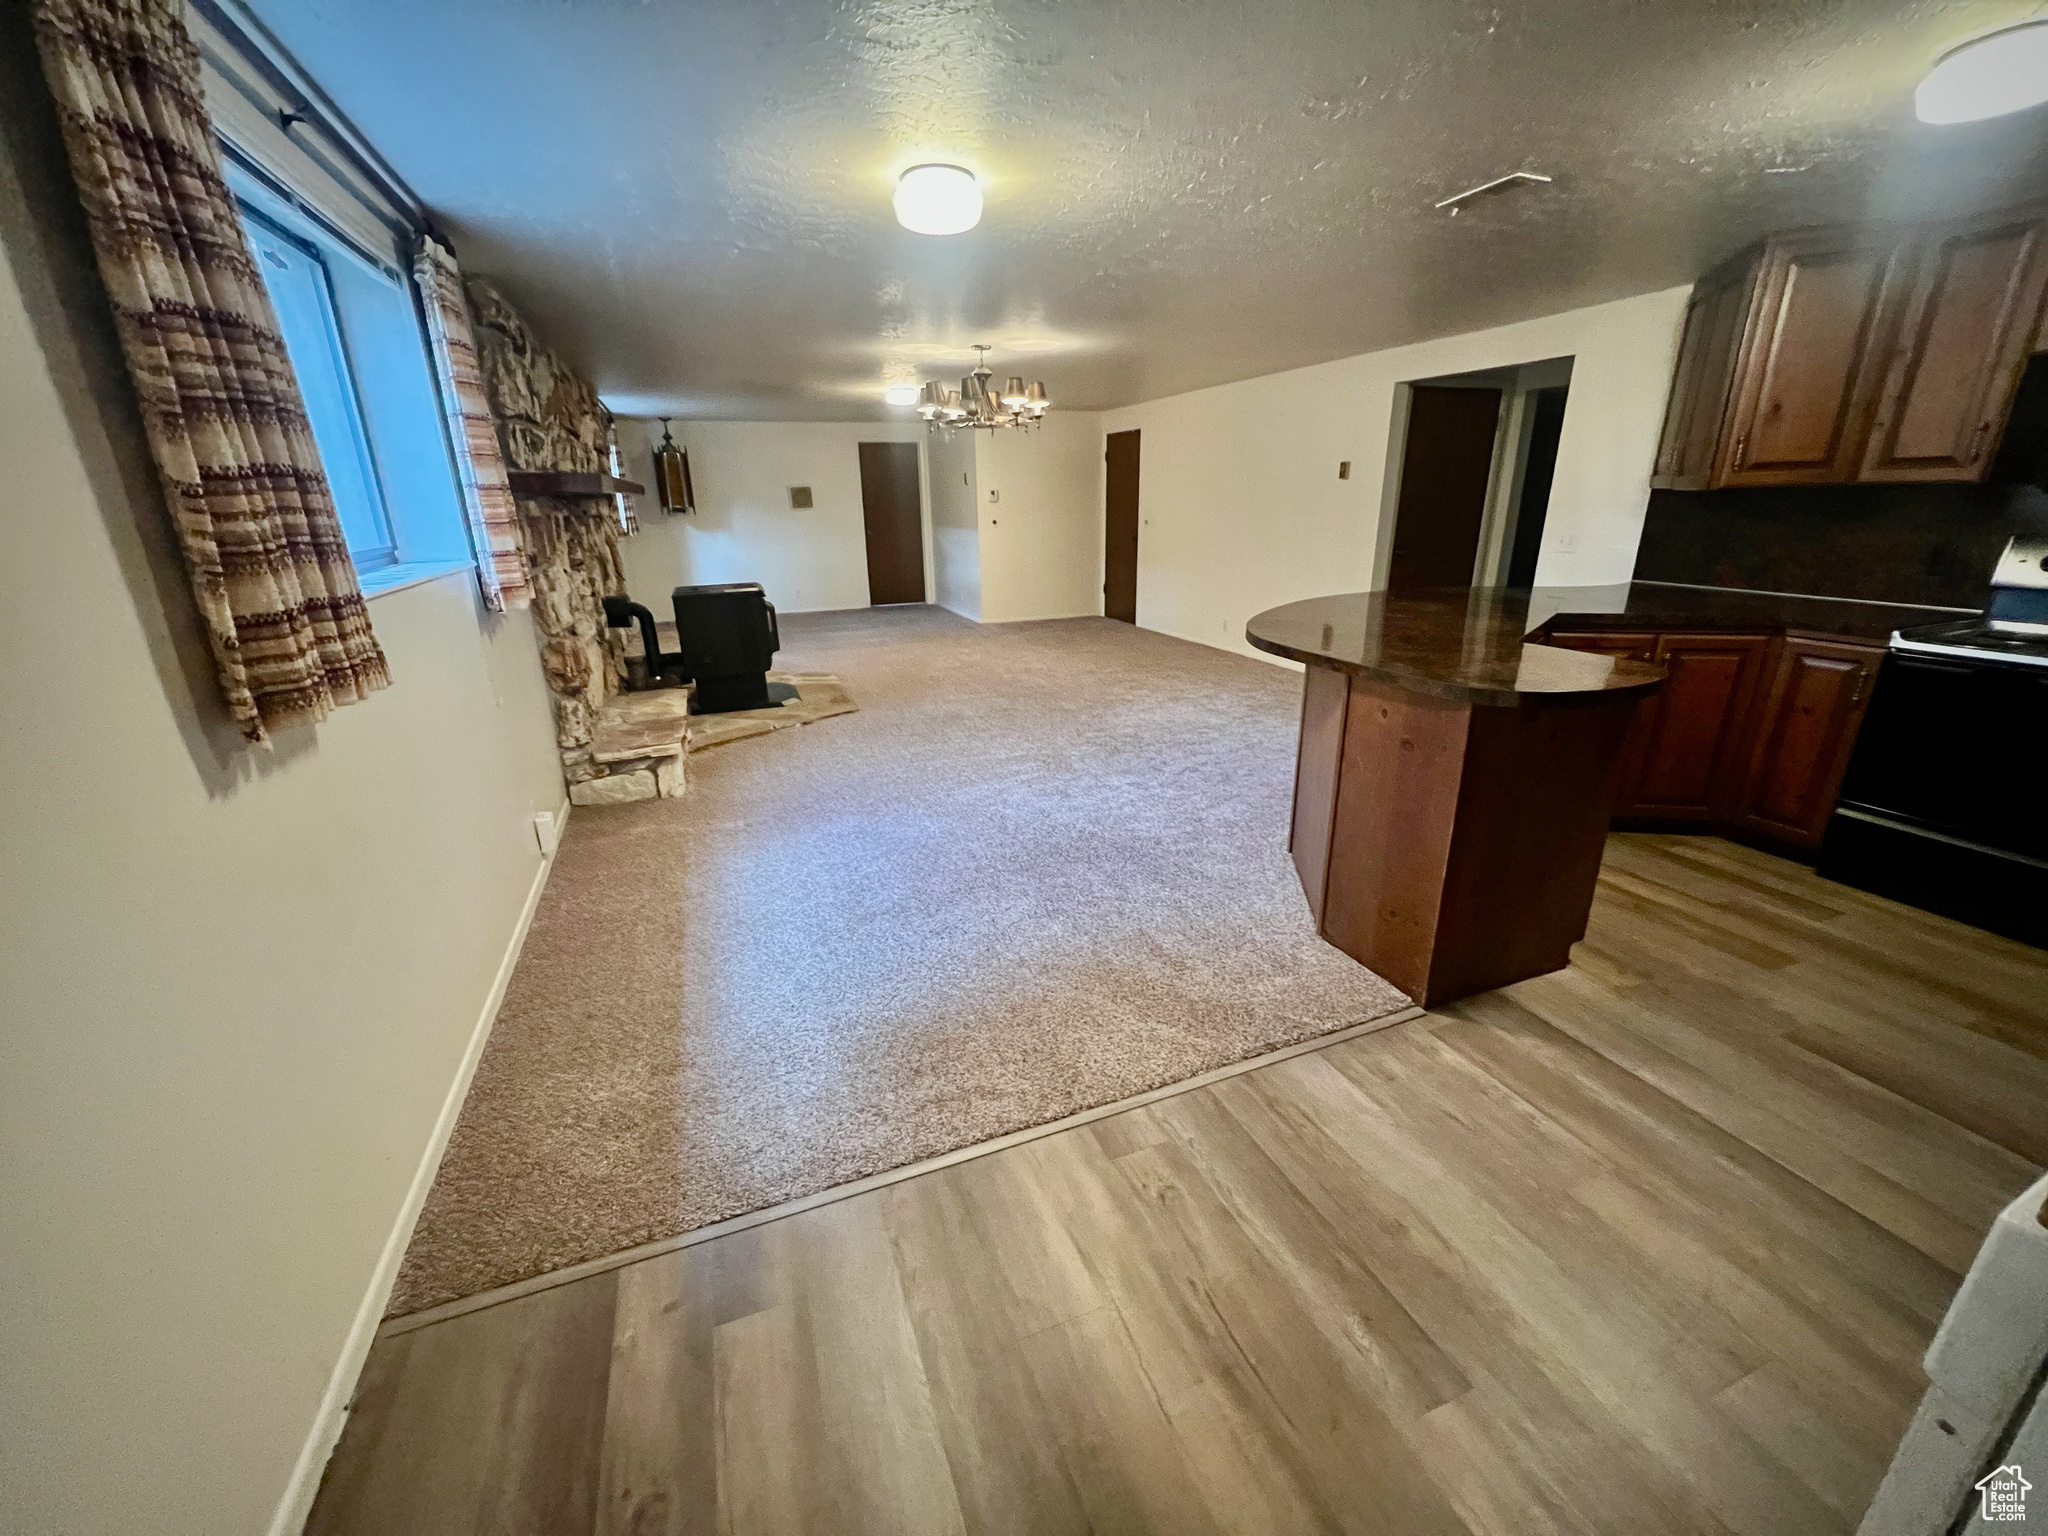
(226, 424)
(480, 465)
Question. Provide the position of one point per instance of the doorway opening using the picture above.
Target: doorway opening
(892, 509)
(1120, 527)
(1476, 455)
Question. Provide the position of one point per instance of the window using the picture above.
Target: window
(302, 293)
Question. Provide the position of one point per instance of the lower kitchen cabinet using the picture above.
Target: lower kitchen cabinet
(1750, 733)
(1803, 730)
(1690, 748)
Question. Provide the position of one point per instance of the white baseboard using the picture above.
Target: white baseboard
(297, 1503)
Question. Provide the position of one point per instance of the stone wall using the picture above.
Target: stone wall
(550, 419)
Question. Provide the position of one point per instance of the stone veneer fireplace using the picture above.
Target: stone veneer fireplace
(550, 419)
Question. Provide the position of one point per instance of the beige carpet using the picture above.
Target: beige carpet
(1043, 868)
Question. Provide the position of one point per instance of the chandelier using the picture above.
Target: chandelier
(975, 405)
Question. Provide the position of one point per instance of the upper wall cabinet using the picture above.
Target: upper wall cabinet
(1969, 322)
(1827, 356)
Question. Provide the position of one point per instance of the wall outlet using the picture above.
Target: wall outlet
(547, 831)
(1567, 544)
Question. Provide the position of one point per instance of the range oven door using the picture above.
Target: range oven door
(1945, 804)
(1960, 747)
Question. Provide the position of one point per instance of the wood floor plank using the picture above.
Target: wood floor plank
(1329, 1431)
(1792, 1430)
(1653, 1243)
(496, 1427)
(1003, 1455)
(878, 1464)
(764, 1397)
(1223, 1180)
(1616, 1345)
(1119, 1448)
(1836, 1256)
(1661, 1057)
(660, 1464)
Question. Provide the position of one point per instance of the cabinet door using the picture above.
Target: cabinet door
(1969, 321)
(1691, 728)
(1801, 736)
(1812, 358)
(1699, 386)
(1634, 646)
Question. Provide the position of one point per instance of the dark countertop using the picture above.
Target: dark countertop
(1467, 645)
(1660, 605)
(1462, 645)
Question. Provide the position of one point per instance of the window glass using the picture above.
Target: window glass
(302, 293)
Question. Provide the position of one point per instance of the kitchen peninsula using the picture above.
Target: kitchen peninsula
(1455, 780)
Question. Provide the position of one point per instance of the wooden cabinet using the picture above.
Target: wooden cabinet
(1699, 390)
(1847, 353)
(1812, 354)
(1689, 733)
(1968, 324)
(1750, 732)
(1800, 736)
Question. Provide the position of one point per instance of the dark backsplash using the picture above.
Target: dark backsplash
(1885, 543)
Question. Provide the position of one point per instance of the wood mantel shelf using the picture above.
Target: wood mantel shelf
(1454, 783)
(561, 482)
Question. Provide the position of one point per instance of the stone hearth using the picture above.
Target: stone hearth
(641, 745)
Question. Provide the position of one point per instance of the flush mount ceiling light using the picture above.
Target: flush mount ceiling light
(901, 394)
(1989, 76)
(974, 404)
(938, 200)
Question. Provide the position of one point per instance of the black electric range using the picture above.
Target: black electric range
(1945, 804)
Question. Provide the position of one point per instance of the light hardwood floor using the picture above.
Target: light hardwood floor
(1653, 1244)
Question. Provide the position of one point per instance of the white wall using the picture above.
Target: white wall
(1041, 539)
(744, 528)
(238, 988)
(956, 522)
(1241, 508)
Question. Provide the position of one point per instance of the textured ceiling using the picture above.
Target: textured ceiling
(692, 199)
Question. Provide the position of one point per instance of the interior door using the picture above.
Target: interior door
(1445, 469)
(1120, 527)
(893, 513)
(1975, 298)
(1812, 359)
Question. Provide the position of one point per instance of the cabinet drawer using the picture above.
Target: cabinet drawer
(1631, 645)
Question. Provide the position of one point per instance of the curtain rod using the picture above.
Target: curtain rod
(236, 22)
